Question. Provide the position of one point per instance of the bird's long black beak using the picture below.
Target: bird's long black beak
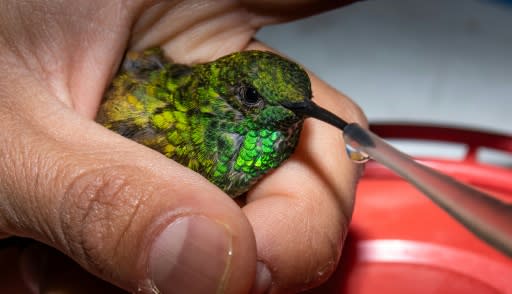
(310, 109)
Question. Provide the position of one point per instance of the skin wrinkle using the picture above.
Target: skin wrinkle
(199, 34)
(317, 259)
(218, 37)
(85, 243)
(106, 14)
(15, 155)
(91, 188)
(53, 232)
(16, 51)
(41, 229)
(194, 28)
(169, 21)
(41, 171)
(131, 220)
(92, 193)
(7, 168)
(329, 260)
(152, 17)
(45, 62)
(72, 198)
(8, 215)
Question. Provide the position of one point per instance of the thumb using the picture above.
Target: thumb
(123, 212)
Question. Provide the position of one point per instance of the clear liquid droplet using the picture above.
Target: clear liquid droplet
(356, 155)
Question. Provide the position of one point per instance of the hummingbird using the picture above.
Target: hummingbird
(231, 120)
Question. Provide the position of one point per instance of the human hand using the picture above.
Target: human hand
(126, 213)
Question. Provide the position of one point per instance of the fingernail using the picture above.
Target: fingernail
(263, 279)
(191, 255)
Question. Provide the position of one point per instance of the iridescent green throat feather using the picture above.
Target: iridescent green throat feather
(227, 120)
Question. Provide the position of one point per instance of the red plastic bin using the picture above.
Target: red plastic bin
(400, 242)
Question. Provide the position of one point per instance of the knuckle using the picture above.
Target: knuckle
(100, 209)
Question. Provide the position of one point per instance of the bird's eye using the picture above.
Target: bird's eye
(249, 96)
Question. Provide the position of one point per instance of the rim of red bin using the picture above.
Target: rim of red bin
(467, 169)
(419, 248)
